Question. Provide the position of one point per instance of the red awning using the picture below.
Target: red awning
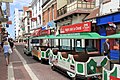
(36, 32)
(9, 22)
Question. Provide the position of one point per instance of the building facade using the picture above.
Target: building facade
(72, 12)
(108, 21)
(109, 6)
(36, 20)
(49, 11)
(18, 14)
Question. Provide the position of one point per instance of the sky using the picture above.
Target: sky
(16, 4)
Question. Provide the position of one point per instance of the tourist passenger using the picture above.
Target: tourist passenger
(106, 48)
(6, 48)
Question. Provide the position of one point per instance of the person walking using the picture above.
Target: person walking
(11, 43)
(106, 48)
(6, 48)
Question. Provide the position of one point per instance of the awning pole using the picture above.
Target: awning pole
(119, 51)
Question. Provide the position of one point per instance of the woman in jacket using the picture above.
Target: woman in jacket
(6, 48)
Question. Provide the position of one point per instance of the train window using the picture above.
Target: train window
(78, 43)
(89, 43)
(34, 41)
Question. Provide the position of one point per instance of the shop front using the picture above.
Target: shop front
(76, 29)
(108, 25)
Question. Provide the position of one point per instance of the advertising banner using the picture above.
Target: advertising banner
(45, 32)
(80, 27)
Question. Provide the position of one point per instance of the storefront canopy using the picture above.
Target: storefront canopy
(40, 37)
(27, 38)
(113, 36)
(90, 35)
(87, 35)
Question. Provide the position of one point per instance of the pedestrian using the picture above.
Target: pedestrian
(6, 48)
(106, 48)
(11, 43)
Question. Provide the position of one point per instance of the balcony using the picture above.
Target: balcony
(80, 4)
(62, 11)
(76, 5)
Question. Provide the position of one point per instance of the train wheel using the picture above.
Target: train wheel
(73, 78)
(53, 68)
(42, 61)
(24, 53)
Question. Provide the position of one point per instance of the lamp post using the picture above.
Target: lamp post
(28, 25)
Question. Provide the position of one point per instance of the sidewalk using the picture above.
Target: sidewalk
(16, 67)
(3, 67)
(15, 70)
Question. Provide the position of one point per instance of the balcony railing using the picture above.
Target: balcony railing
(62, 11)
(75, 4)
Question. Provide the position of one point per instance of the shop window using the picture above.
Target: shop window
(40, 19)
(78, 43)
(48, 14)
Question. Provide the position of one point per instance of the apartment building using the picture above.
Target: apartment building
(36, 20)
(18, 14)
(49, 12)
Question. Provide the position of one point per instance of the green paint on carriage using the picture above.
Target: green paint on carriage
(114, 73)
(43, 54)
(80, 68)
(91, 67)
(73, 62)
(68, 59)
(60, 57)
(104, 62)
(47, 53)
(64, 59)
(105, 75)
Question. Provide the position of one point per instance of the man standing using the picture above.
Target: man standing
(106, 48)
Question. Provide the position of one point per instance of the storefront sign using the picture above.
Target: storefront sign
(36, 32)
(81, 27)
(45, 32)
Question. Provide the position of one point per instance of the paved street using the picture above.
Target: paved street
(42, 71)
(23, 67)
